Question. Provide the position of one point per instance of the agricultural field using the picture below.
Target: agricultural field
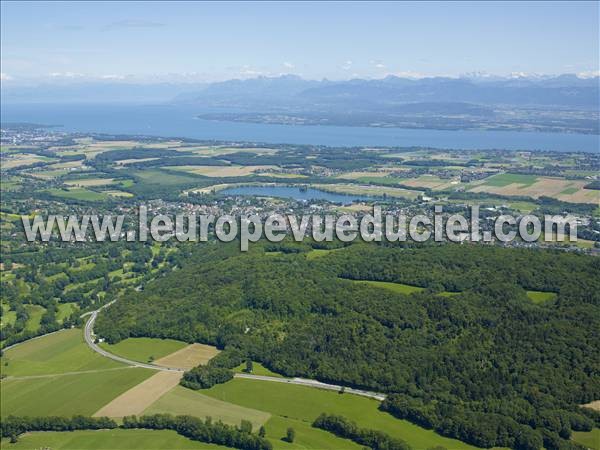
(144, 349)
(76, 193)
(20, 160)
(117, 439)
(85, 182)
(375, 191)
(135, 400)
(222, 171)
(290, 404)
(56, 353)
(534, 186)
(67, 394)
(182, 401)
(189, 356)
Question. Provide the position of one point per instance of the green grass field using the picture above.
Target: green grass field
(108, 440)
(78, 194)
(67, 394)
(300, 403)
(395, 287)
(35, 316)
(307, 437)
(541, 297)
(144, 349)
(504, 179)
(257, 369)
(569, 191)
(60, 352)
(65, 310)
(157, 176)
(318, 252)
(589, 439)
(180, 400)
(8, 316)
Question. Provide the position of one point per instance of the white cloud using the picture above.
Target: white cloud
(5, 77)
(380, 66)
(346, 65)
(66, 75)
(589, 74)
(288, 65)
(112, 77)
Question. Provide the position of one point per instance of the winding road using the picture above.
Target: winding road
(89, 339)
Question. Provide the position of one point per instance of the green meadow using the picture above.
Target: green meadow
(60, 352)
(257, 369)
(292, 403)
(307, 437)
(67, 394)
(541, 297)
(395, 287)
(504, 179)
(78, 194)
(35, 316)
(589, 439)
(108, 440)
(183, 401)
(144, 349)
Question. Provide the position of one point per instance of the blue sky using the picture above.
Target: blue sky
(213, 41)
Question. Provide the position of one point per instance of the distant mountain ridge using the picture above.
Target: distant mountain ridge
(563, 91)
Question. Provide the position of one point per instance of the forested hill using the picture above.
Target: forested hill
(471, 355)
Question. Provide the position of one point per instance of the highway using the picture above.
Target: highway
(89, 339)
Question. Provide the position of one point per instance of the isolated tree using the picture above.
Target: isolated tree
(290, 435)
(262, 432)
(249, 366)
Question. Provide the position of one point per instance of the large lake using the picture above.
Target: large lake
(293, 192)
(171, 121)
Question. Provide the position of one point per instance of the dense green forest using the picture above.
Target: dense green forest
(471, 355)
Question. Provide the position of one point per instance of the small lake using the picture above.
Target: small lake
(294, 193)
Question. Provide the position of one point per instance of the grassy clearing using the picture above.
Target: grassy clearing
(66, 395)
(180, 400)
(75, 193)
(144, 349)
(65, 310)
(60, 352)
(305, 403)
(395, 287)
(504, 179)
(541, 297)
(317, 252)
(35, 316)
(257, 369)
(589, 439)
(8, 316)
(108, 440)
